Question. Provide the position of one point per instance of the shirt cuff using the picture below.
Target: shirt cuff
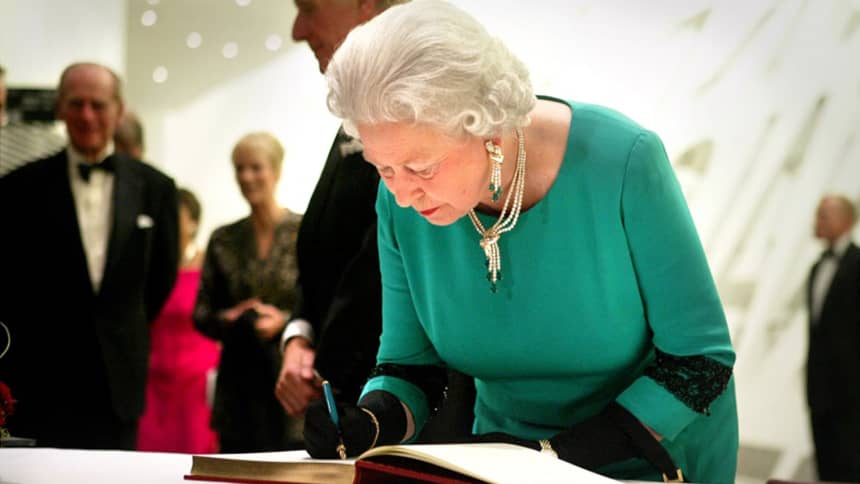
(297, 327)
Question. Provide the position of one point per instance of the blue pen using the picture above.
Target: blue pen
(332, 411)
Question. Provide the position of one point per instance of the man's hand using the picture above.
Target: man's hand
(271, 321)
(297, 383)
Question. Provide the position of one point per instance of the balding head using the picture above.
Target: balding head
(128, 137)
(835, 217)
(90, 103)
(116, 84)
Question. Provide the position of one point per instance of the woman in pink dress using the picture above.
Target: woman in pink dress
(182, 361)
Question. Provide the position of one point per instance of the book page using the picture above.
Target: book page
(494, 463)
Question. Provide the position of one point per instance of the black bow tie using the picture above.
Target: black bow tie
(85, 169)
(827, 254)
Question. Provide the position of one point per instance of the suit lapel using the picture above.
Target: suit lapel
(842, 275)
(310, 226)
(70, 228)
(810, 283)
(126, 206)
(320, 197)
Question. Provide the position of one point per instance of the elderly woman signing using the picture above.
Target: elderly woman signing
(540, 245)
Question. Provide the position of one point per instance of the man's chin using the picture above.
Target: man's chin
(88, 149)
(322, 59)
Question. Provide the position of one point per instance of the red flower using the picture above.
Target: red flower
(7, 403)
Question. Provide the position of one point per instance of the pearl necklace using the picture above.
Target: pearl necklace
(507, 220)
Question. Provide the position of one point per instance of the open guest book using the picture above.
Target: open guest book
(398, 464)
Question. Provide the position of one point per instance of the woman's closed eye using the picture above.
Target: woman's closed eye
(425, 173)
(385, 171)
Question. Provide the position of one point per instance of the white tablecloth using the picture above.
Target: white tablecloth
(65, 466)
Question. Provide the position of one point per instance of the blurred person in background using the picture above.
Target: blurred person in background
(247, 294)
(89, 255)
(182, 362)
(833, 364)
(128, 137)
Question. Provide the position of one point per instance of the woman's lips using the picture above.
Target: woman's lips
(429, 211)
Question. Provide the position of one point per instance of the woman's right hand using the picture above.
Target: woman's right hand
(232, 314)
(358, 430)
(271, 321)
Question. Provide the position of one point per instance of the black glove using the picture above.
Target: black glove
(379, 419)
(591, 444)
(596, 441)
(611, 436)
(321, 436)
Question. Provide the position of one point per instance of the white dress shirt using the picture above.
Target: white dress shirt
(94, 207)
(824, 275)
(297, 327)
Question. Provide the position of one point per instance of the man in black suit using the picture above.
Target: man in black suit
(89, 254)
(335, 329)
(833, 367)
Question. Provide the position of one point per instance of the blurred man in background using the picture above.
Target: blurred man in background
(128, 137)
(833, 367)
(89, 253)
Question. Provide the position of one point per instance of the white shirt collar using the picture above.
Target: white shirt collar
(76, 157)
(841, 244)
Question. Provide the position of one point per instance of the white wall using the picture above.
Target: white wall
(756, 100)
(209, 101)
(40, 37)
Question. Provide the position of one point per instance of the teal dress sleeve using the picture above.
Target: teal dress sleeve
(681, 302)
(404, 340)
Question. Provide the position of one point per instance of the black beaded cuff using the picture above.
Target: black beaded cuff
(695, 380)
(430, 379)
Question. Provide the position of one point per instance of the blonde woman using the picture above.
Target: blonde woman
(246, 296)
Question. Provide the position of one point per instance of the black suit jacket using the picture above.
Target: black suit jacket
(339, 277)
(833, 367)
(75, 352)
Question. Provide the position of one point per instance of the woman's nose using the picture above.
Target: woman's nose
(404, 189)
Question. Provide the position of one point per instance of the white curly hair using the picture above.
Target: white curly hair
(428, 62)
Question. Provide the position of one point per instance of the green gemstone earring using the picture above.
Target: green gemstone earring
(496, 158)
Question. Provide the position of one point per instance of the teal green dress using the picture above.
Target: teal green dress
(600, 278)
